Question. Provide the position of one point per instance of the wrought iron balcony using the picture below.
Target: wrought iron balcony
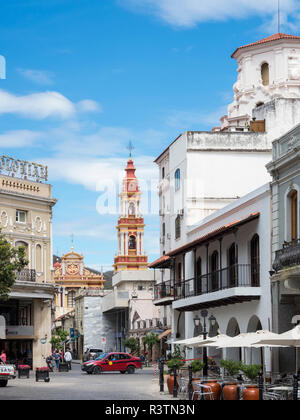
(26, 275)
(239, 275)
(288, 256)
(164, 290)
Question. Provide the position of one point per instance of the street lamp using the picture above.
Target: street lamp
(212, 320)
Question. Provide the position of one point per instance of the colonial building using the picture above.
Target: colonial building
(70, 275)
(26, 219)
(202, 173)
(285, 275)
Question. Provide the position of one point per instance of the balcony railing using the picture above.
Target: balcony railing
(164, 290)
(26, 275)
(288, 256)
(240, 275)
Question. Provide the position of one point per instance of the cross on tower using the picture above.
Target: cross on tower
(130, 147)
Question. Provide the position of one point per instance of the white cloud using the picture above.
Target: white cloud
(42, 105)
(18, 138)
(88, 106)
(37, 76)
(187, 13)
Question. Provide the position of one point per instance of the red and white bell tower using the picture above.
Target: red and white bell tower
(131, 255)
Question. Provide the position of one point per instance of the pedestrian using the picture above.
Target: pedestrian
(57, 358)
(3, 356)
(68, 358)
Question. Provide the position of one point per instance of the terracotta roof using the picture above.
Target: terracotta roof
(64, 316)
(224, 229)
(161, 261)
(271, 38)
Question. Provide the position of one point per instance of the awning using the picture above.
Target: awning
(165, 334)
(162, 262)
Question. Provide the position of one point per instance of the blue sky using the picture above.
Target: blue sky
(85, 77)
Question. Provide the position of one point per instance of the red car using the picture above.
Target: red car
(112, 362)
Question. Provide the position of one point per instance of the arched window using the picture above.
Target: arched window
(214, 264)
(177, 227)
(131, 209)
(265, 74)
(38, 258)
(232, 263)
(177, 179)
(71, 299)
(255, 262)
(132, 242)
(294, 215)
(25, 245)
(198, 285)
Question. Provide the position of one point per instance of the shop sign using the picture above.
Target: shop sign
(23, 169)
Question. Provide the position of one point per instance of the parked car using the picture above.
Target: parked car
(112, 362)
(6, 372)
(91, 353)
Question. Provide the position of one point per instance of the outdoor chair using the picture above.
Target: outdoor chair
(272, 396)
(184, 388)
(202, 391)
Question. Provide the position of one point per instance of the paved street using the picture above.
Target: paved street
(76, 385)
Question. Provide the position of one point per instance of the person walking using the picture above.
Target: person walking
(68, 358)
(3, 356)
(57, 358)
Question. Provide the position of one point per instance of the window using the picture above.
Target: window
(294, 215)
(132, 242)
(163, 229)
(214, 260)
(177, 180)
(71, 299)
(198, 285)
(38, 258)
(21, 216)
(233, 268)
(177, 227)
(255, 262)
(265, 74)
(131, 209)
(163, 173)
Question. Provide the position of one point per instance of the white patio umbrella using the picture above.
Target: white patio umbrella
(249, 340)
(290, 338)
(199, 342)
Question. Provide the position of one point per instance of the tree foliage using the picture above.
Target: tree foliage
(58, 338)
(132, 343)
(12, 261)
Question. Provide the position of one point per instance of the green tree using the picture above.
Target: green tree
(12, 261)
(58, 338)
(150, 340)
(133, 344)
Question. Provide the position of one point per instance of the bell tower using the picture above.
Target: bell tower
(131, 255)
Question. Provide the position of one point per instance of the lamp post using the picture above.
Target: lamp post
(197, 321)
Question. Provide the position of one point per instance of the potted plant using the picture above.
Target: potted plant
(197, 367)
(42, 373)
(23, 371)
(251, 391)
(171, 380)
(230, 389)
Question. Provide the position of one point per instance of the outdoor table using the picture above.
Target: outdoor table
(283, 388)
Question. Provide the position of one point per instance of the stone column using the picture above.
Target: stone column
(42, 328)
